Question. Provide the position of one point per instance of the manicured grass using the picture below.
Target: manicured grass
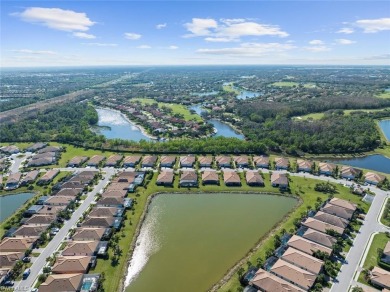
(318, 116)
(373, 258)
(284, 84)
(385, 94)
(176, 108)
(385, 220)
(229, 88)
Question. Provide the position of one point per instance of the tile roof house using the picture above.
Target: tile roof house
(39, 220)
(331, 219)
(241, 161)
(9, 259)
(50, 210)
(320, 238)
(304, 165)
(111, 201)
(36, 146)
(48, 176)
(50, 149)
(115, 193)
(223, 161)
(386, 253)
(30, 231)
(106, 212)
(205, 161)
(337, 211)
(104, 222)
(77, 161)
(349, 172)
(30, 177)
(149, 160)
(187, 161)
(90, 234)
(267, 282)
(79, 248)
(374, 178)
(380, 278)
(343, 203)
(13, 181)
(131, 161)
(167, 161)
(302, 260)
(279, 180)
(188, 178)
(307, 246)
(321, 226)
(261, 161)
(59, 200)
(165, 178)
(113, 160)
(16, 244)
(253, 178)
(326, 168)
(69, 192)
(95, 160)
(231, 178)
(281, 163)
(71, 264)
(10, 149)
(62, 282)
(47, 160)
(210, 177)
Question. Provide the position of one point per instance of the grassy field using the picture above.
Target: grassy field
(385, 220)
(318, 116)
(378, 243)
(284, 84)
(229, 88)
(176, 108)
(385, 94)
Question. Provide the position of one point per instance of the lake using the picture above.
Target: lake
(374, 162)
(113, 125)
(188, 242)
(385, 126)
(225, 130)
(10, 203)
(244, 94)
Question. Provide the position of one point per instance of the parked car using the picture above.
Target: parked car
(26, 273)
(8, 283)
(26, 259)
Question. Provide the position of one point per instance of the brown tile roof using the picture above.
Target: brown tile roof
(84, 233)
(210, 176)
(68, 192)
(253, 177)
(337, 211)
(205, 160)
(302, 260)
(95, 160)
(51, 209)
(8, 259)
(380, 277)
(343, 203)
(320, 237)
(165, 176)
(115, 193)
(321, 226)
(71, 264)
(304, 163)
(80, 248)
(231, 177)
(98, 221)
(61, 282)
(221, 159)
(241, 159)
(281, 162)
(149, 159)
(166, 159)
(105, 201)
(51, 174)
(103, 212)
(132, 159)
(348, 170)
(307, 246)
(268, 282)
(77, 160)
(16, 244)
(58, 200)
(189, 159)
(114, 159)
(14, 177)
(374, 177)
(331, 219)
(125, 177)
(298, 276)
(40, 219)
(30, 230)
(279, 178)
(327, 167)
(261, 160)
(31, 176)
(189, 175)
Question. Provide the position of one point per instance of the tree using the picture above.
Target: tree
(240, 272)
(357, 289)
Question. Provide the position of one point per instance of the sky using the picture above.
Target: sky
(89, 33)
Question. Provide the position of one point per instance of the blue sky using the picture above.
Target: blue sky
(77, 33)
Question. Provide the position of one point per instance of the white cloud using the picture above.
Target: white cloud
(346, 30)
(373, 25)
(26, 51)
(161, 25)
(317, 49)
(249, 49)
(56, 18)
(344, 42)
(227, 30)
(83, 35)
(100, 44)
(173, 47)
(132, 36)
(144, 47)
(316, 42)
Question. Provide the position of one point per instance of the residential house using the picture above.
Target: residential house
(205, 161)
(106, 212)
(165, 178)
(62, 282)
(48, 177)
(386, 254)
(13, 181)
(261, 161)
(267, 282)
(293, 274)
(29, 231)
(113, 160)
(72, 264)
(223, 161)
(39, 220)
(320, 238)
(80, 248)
(321, 226)
(58, 200)
(331, 219)
(304, 165)
(32, 210)
(337, 211)
(210, 177)
(349, 172)
(104, 222)
(167, 161)
(95, 160)
(77, 161)
(281, 163)
(11, 149)
(47, 160)
(69, 193)
(302, 260)
(131, 161)
(111, 201)
(149, 161)
(373, 178)
(307, 246)
(36, 146)
(343, 203)
(9, 259)
(29, 178)
(188, 178)
(241, 161)
(380, 278)
(231, 178)
(187, 161)
(253, 178)
(115, 193)
(50, 149)
(326, 168)
(16, 244)
(279, 180)
(91, 234)
(51, 210)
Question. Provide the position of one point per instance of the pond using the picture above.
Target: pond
(225, 130)
(188, 242)
(10, 203)
(385, 126)
(114, 125)
(375, 162)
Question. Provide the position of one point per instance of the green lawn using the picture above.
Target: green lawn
(385, 219)
(385, 94)
(284, 84)
(176, 108)
(378, 243)
(229, 88)
(318, 116)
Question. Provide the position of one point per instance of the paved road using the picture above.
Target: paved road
(17, 161)
(54, 244)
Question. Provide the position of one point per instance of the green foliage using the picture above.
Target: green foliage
(325, 187)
